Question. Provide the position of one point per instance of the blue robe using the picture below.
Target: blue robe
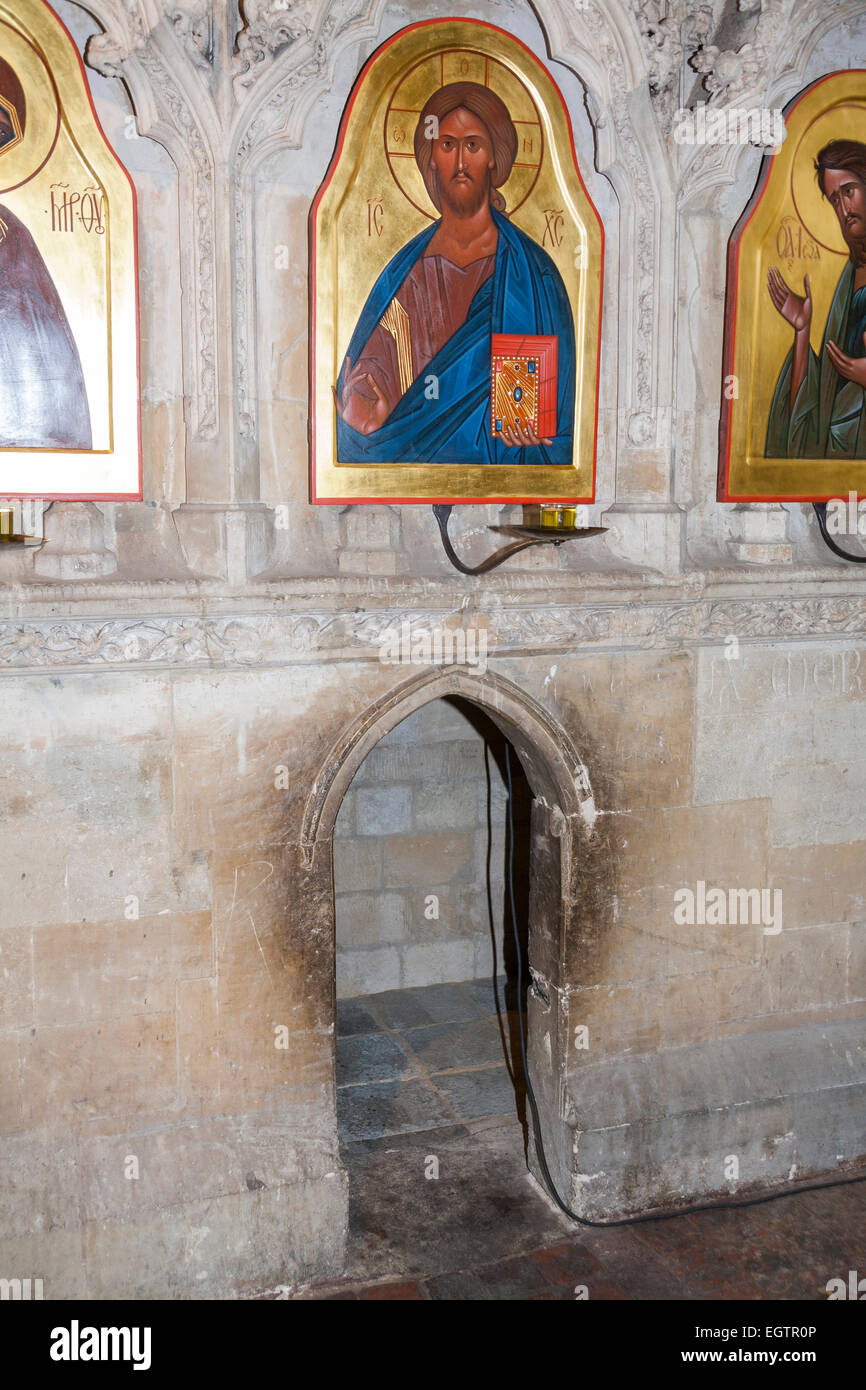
(828, 419)
(525, 294)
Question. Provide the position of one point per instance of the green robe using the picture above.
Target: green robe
(828, 419)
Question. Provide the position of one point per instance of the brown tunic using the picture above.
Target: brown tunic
(436, 296)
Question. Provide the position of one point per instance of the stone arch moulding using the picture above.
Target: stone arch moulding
(556, 773)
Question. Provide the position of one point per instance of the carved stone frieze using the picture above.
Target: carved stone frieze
(151, 50)
(273, 99)
(600, 42)
(259, 639)
(645, 261)
(270, 116)
(673, 31)
(125, 30)
(212, 83)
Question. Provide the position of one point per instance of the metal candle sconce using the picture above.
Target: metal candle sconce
(543, 524)
(8, 534)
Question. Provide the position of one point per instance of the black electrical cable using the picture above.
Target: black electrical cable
(821, 514)
(790, 1191)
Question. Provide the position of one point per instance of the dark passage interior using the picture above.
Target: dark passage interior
(434, 1051)
(431, 1094)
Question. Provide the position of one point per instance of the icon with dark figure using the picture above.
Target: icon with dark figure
(43, 398)
(818, 405)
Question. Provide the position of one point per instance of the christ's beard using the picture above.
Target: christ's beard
(464, 199)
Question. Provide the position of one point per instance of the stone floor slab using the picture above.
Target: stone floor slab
(389, 1107)
(353, 1017)
(450, 1046)
(368, 1057)
(418, 1008)
(483, 1091)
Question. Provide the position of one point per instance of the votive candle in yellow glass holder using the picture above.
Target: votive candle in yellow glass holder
(550, 516)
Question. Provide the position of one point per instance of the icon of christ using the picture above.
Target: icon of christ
(43, 399)
(415, 384)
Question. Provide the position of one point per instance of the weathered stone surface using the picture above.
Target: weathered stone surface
(419, 860)
(110, 1069)
(812, 965)
(821, 883)
(369, 969)
(397, 823)
(179, 734)
(113, 970)
(631, 717)
(16, 977)
(777, 1102)
(57, 1255)
(11, 1108)
(284, 1235)
(760, 733)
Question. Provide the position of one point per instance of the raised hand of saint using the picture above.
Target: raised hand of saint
(796, 309)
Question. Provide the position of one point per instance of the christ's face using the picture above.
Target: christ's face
(848, 197)
(463, 159)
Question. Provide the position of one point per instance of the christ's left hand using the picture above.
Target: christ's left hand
(521, 436)
(851, 368)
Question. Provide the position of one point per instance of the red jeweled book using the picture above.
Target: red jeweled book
(523, 383)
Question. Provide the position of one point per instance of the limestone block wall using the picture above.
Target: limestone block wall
(184, 709)
(168, 951)
(744, 773)
(149, 1119)
(414, 826)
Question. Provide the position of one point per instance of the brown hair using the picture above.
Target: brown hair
(848, 155)
(493, 114)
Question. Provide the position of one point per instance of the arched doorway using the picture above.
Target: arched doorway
(431, 885)
(562, 815)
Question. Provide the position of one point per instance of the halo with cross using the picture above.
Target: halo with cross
(461, 65)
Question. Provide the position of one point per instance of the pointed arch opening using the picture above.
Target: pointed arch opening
(426, 1031)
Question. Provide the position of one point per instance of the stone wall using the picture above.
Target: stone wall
(179, 734)
(414, 825)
